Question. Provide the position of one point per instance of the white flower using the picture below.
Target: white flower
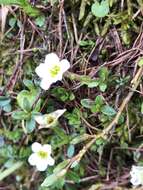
(48, 120)
(51, 70)
(41, 156)
(136, 175)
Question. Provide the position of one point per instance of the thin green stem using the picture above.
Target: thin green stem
(9, 171)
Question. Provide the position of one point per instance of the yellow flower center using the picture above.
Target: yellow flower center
(50, 119)
(54, 70)
(42, 154)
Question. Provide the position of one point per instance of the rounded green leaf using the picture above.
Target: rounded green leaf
(100, 9)
(108, 110)
(87, 103)
(71, 150)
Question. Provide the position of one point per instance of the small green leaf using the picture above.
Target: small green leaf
(140, 62)
(87, 103)
(91, 83)
(14, 135)
(30, 96)
(26, 105)
(61, 166)
(12, 22)
(20, 115)
(29, 84)
(62, 94)
(108, 110)
(60, 132)
(51, 179)
(71, 175)
(40, 21)
(100, 9)
(4, 101)
(96, 107)
(84, 43)
(7, 108)
(99, 100)
(103, 73)
(30, 125)
(70, 151)
(103, 87)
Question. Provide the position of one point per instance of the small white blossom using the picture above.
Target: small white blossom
(51, 70)
(48, 120)
(136, 175)
(41, 156)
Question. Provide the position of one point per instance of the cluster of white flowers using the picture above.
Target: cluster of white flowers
(41, 156)
(50, 72)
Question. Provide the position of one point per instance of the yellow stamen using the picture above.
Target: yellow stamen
(43, 154)
(54, 70)
(50, 119)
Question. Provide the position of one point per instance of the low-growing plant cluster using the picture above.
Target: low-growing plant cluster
(71, 87)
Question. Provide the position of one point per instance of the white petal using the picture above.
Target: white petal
(45, 84)
(58, 77)
(135, 181)
(47, 148)
(40, 119)
(51, 59)
(65, 65)
(36, 147)
(42, 70)
(50, 161)
(42, 165)
(32, 159)
(58, 113)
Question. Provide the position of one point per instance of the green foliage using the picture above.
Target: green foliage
(92, 91)
(95, 106)
(108, 110)
(12, 22)
(70, 151)
(54, 178)
(86, 43)
(40, 21)
(98, 103)
(87, 103)
(10, 2)
(62, 94)
(5, 103)
(7, 152)
(140, 62)
(101, 82)
(24, 4)
(100, 9)
(74, 118)
(25, 100)
(15, 136)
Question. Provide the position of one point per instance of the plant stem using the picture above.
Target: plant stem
(9, 171)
